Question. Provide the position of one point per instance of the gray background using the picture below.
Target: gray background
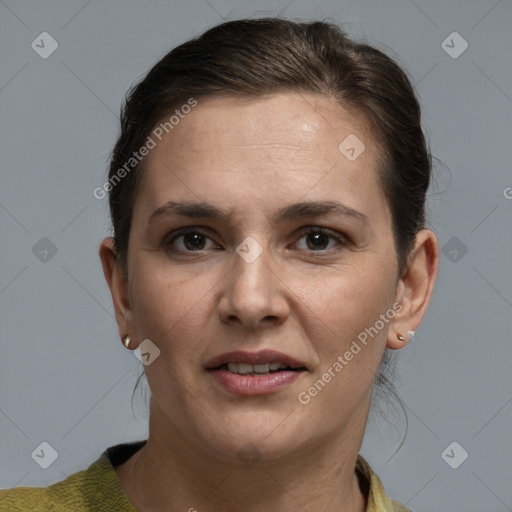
(65, 377)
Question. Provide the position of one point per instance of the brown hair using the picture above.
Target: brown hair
(251, 58)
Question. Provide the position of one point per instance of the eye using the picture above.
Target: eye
(317, 239)
(189, 240)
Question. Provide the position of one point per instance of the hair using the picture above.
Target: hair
(252, 58)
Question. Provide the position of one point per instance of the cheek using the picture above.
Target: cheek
(345, 302)
(166, 301)
(349, 338)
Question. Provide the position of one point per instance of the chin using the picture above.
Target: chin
(255, 436)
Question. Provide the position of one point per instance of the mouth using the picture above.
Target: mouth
(256, 373)
(254, 370)
(255, 363)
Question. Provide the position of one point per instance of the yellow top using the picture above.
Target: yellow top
(98, 489)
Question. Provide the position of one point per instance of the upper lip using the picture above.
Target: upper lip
(263, 356)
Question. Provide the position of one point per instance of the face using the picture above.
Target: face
(253, 271)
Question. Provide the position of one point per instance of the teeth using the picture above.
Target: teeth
(233, 367)
(245, 368)
(262, 368)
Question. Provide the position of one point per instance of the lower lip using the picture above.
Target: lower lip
(257, 384)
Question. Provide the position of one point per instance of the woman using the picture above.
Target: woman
(267, 194)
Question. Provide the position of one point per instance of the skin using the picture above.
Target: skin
(251, 158)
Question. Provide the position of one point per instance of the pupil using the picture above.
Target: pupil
(193, 240)
(318, 237)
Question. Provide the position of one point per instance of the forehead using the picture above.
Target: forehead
(282, 144)
(297, 121)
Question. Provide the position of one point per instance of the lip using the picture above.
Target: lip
(262, 356)
(254, 385)
(251, 385)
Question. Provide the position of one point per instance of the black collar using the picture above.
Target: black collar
(120, 453)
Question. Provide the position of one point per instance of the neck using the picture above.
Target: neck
(165, 475)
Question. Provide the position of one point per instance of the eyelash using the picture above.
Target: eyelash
(338, 237)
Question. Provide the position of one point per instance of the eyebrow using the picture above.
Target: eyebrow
(203, 210)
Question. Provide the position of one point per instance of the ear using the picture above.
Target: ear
(415, 288)
(117, 281)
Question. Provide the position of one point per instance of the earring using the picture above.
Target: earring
(410, 334)
(126, 342)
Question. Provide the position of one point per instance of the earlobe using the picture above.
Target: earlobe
(415, 289)
(117, 281)
(400, 341)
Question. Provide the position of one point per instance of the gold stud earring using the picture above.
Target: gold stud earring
(126, 342)
(400, 337)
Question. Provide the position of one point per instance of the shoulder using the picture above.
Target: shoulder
(61, 496)
(95, 489)
(398, 507)
(77, 492)
(22, 499)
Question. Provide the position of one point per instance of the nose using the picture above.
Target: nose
(253, 294)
